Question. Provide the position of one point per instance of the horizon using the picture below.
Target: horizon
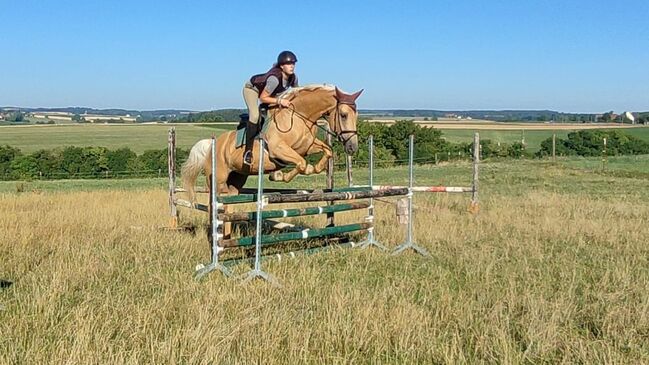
(462, 56)
(359, 109)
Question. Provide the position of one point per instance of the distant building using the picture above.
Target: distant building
(62, 116)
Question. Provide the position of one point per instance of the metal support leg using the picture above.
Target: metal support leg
(371, 240)
(409, 242)
(257, 273)
(202, 270)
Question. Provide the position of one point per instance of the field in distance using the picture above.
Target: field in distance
(137, 137)
(142, 137)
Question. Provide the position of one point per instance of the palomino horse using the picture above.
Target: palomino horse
(290, 137)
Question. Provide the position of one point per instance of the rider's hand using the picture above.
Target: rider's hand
(284, 103)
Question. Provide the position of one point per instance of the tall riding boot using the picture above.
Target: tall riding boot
(251, 132)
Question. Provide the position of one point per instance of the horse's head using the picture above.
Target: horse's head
(343, 120)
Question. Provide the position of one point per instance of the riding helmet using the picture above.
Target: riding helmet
(286, 57)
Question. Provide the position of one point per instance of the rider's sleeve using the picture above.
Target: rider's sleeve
(296, 83)
(271, 84)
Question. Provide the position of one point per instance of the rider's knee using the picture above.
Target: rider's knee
(253, 116)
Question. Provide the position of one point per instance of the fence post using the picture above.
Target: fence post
(330, 178)
(475, 205)
(604, 156)
(348, 165)
(554, 147)
(171, 166)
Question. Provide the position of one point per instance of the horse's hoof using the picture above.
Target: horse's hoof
(309, 169)
(276, 176)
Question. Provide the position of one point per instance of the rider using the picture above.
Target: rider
(265, 88)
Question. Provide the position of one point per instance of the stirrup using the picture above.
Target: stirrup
(247, 158)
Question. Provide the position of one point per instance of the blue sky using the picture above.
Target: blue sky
(574, 56)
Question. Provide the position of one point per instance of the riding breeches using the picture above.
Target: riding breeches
(251, 97)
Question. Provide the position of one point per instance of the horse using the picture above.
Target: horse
(290, 137)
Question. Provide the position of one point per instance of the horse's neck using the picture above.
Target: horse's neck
(314, 104)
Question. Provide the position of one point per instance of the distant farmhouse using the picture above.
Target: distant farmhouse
(62, 116)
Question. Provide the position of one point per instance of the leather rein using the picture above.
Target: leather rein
(337, 122)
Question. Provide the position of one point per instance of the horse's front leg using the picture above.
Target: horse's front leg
(317, 147)
(284, 152)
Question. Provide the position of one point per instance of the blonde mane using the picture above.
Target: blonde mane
(292, 92)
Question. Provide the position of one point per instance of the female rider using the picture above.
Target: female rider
(265, 88)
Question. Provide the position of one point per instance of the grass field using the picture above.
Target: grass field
(138, 138)
(142, 137)
(552, 270)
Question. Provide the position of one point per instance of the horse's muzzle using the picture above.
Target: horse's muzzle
(351, 146)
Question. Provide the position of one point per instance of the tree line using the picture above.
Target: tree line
(591, 143)
(84, 163)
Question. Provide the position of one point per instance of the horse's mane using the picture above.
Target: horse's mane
(295, 91)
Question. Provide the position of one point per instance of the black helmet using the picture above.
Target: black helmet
(286, 57)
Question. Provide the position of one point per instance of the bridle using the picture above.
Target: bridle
(339, 132)
(342, 132)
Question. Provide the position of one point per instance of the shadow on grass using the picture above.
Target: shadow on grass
(5, 283)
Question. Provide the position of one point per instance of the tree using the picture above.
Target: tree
(119, 160)
(7, 155)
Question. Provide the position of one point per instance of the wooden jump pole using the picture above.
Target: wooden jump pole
(359, 193)
(308, 233)
(291, 212)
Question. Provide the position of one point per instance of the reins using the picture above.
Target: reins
(338, 135)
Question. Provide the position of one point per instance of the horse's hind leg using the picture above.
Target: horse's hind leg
(285, 153)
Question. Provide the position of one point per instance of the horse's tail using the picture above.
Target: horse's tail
(194, 165)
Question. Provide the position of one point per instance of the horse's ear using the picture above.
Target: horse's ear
(355, 95)
(339, 94)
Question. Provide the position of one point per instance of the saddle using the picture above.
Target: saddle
(243, 119)
(264, 121)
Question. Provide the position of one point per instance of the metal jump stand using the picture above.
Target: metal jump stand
(409, 243)
(371, 240)
(257, 272)
(202, 270)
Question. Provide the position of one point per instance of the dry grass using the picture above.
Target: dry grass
(554, 277)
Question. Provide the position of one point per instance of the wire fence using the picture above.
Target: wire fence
(86, 175)
(159, 173)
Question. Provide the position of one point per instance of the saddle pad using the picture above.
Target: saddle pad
(241, 132)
